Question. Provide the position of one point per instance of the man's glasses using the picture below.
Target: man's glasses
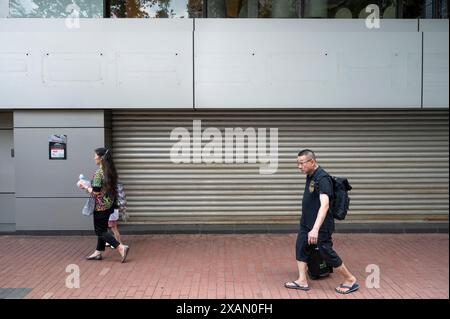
(303, 163)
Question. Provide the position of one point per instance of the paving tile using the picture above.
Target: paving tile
(202, 265)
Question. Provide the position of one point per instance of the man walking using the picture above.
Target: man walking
(317, 225)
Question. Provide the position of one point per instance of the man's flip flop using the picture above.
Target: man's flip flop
(294, 285)
(352, 288)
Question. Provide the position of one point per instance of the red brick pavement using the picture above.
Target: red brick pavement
(253, 266)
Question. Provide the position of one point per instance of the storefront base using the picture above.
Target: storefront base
(197, 229)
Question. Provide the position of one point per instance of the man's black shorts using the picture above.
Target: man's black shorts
(324, 243)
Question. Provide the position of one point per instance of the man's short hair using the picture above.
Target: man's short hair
(308, 153)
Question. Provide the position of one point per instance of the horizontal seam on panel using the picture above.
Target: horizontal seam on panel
(52, 127)
(26, 197)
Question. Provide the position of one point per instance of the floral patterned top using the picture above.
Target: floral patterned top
(103, 201)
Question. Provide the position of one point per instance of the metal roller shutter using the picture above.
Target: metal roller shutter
(396, 161)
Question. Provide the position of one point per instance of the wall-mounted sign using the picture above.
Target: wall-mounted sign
(57, 147)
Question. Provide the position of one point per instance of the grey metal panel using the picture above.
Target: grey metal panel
(46, 194)
(433, 25)
(6, 161)
(246, 68)
(105, 63)
(37, 176)
(7, 209)
(55, 118)
(51, 214)
(435, 63)
(397, 162)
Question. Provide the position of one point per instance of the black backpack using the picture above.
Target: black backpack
(340, 203)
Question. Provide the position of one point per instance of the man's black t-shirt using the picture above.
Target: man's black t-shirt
(318, 183)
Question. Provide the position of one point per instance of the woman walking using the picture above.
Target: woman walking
(104, 190)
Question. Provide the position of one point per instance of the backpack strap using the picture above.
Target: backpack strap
(317, 179)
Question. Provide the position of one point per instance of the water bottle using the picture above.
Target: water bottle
(83, 182)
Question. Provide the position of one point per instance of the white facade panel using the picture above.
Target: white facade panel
(107, 63)
(435, 63)
(73, 69)
(293, 68)
(243, 63)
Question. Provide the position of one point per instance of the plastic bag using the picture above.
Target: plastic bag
(122, 202)
(121, 199)
(115, 215)
(123, 215)
(89, 207)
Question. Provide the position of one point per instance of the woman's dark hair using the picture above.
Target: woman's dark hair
(109, 170)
